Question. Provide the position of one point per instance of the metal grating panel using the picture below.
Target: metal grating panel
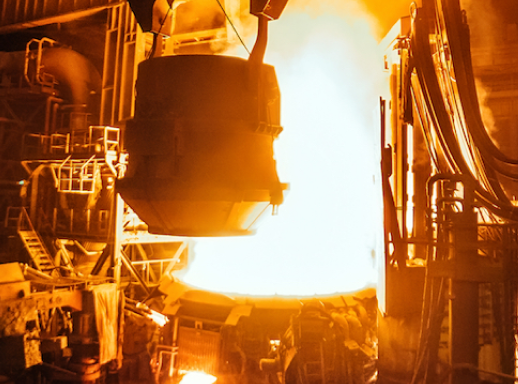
(198, 350)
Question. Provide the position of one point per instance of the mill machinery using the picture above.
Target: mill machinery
(447, 291)
(126, 132)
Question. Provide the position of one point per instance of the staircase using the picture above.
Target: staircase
(40, 256)
(37, 251)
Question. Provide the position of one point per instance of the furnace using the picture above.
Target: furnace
(127, 133)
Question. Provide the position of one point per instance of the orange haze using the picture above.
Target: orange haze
(327, 233)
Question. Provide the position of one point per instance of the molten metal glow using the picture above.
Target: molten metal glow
(158, 318)
(328, 231)
(197, 378)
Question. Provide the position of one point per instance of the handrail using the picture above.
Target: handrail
(153, 261)
(147, 265)
(81, 178)
(172, 262)
(38, 58)
(64, 255)
(8, 216)
(86, 165)
(88, 161)
(74, 166)
(59, 170)
(98, 134)
(161, 351)
(24, 217)
(54, 137)
(107, 130)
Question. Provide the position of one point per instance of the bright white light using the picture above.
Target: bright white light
(198, 378)
(158, 318)
(328, 230)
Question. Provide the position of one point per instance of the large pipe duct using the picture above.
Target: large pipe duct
(74, 72)
(201, 145)
(76, 76)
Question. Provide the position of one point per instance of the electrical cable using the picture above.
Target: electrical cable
(155, 36)
(449, 130)
(440, 118)
(480, 156)
(458, 41)
(153, 48)
(233, 26)
(433, 97)
(426, 132)
(486, 166)
(165, 17)
(493, 194)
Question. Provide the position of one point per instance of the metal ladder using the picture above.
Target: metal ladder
(40, 256)
(313, 364)
(311, 334)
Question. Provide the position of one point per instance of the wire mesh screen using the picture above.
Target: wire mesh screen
(198, 350)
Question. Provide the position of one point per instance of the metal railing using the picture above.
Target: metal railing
(77, 176)
(33, 68)
(147, 265)
(36, 144)
(162, 352)
(95, 139)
